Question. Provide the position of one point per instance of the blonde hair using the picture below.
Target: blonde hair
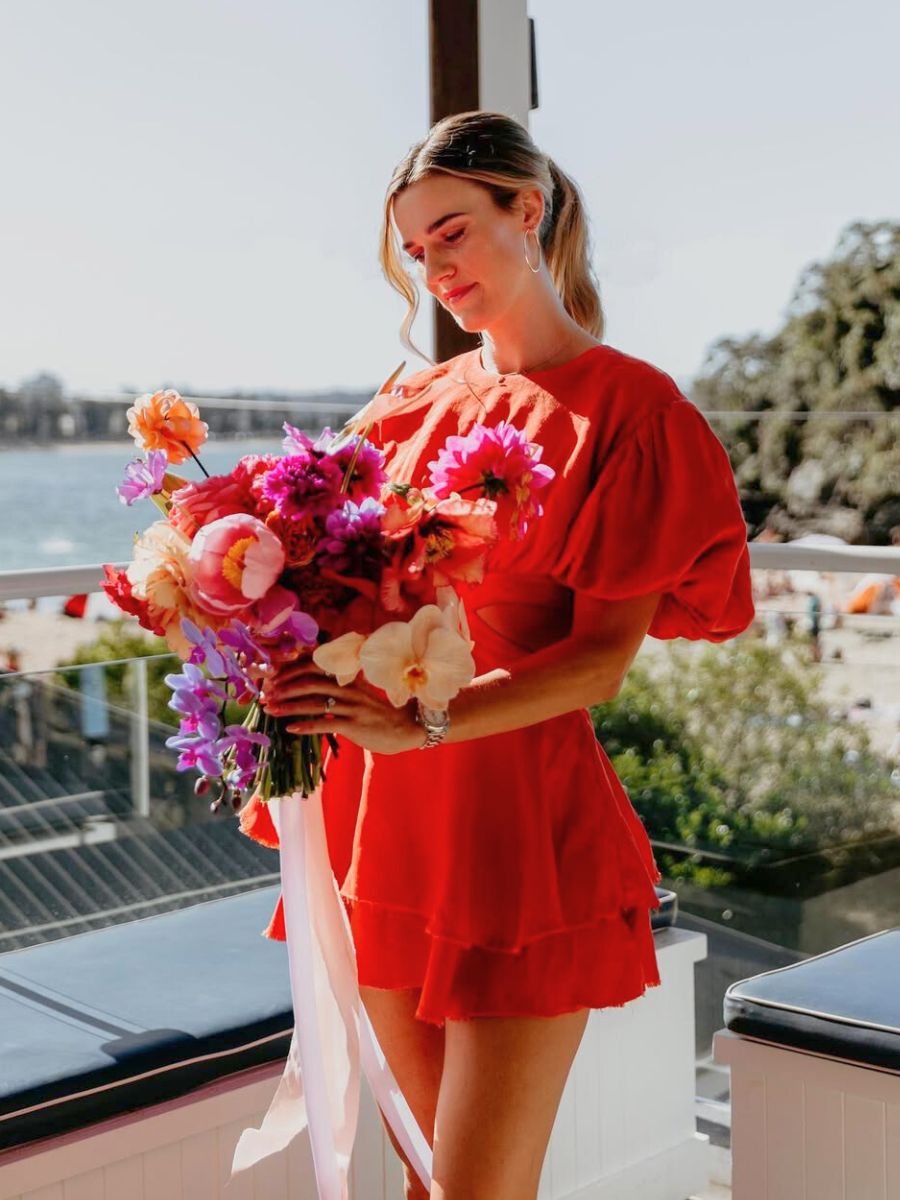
(494, 150)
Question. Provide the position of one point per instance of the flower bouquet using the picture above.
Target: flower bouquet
(312, 552)
(308, 553)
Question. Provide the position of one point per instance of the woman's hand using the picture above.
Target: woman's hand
(360, 712)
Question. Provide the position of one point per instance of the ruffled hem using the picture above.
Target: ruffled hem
(604, 964)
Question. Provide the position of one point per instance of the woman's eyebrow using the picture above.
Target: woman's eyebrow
(436, 225)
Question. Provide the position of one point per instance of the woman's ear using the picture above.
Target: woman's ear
(531, 205)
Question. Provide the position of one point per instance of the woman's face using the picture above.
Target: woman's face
(461, 242)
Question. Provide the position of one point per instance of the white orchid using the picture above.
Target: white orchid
(426, 657)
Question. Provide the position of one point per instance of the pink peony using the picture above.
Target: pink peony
(235, 560)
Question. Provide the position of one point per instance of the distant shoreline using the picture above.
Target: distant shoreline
(129, 447)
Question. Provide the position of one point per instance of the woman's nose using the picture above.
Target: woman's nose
(438, 272)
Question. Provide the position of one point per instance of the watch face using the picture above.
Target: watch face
(434, 716)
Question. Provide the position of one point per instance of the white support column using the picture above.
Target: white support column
(504, 58)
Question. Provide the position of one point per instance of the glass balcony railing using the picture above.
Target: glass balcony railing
(96, 825)
(766, 771)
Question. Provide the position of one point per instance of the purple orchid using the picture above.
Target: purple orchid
(199, 752)
(238, 637)
(298, 442)
(244, 765)
(199, 701)
(194, 690)
(143, 478)
(278, 617)
(206, 650)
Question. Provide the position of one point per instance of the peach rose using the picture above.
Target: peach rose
(159, 576)
(163, 421)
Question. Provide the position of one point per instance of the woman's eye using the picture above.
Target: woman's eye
(452, 237)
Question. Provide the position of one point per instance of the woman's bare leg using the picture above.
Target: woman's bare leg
(414, 1050)
(502, 1082)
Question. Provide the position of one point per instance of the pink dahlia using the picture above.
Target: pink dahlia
(502, 465)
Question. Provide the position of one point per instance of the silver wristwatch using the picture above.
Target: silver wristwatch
(436, 722)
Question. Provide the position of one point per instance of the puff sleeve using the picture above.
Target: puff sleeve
(662, 513)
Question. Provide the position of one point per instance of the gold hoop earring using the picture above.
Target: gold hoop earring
(536, 269)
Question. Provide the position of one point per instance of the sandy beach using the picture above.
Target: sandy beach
(860, 658)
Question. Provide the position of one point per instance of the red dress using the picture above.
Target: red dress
(510, 875)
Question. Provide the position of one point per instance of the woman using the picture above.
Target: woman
(499, 885)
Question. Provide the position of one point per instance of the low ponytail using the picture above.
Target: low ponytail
(567, 251)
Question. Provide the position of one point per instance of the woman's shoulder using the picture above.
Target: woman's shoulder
(645, 385)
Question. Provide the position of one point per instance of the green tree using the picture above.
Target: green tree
(838, 352)
(743, 760)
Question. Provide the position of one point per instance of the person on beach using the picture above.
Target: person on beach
(499, 884)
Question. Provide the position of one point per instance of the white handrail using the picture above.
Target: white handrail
(51, 581)
(783, 556)
(791, 556)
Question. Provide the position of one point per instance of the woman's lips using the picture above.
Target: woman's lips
(456, 296)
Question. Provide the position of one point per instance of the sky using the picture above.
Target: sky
(191, 191)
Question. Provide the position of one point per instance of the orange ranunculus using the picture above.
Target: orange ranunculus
(299, 538)
(163, 421)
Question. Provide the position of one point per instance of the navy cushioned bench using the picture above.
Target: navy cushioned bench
(114, 1020)
(844, 1003)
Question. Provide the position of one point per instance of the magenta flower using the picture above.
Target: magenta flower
(243, 759)
(368, 472)
(143, 478)
(354, 543)
(499, 463)
(303, 485)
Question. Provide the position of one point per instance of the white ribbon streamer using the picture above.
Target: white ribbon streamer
(319, 1088)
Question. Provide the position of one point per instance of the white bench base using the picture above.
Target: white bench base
(625, 1128)
(809, 1127)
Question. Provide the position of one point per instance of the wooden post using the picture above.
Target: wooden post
(453, 53)
(482, 55)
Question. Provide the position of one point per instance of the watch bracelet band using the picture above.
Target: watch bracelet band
(435, 736)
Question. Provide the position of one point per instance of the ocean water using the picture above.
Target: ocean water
(58, 506)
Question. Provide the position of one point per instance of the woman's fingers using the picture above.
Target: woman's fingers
(307, 706)
(298, 670)
(297, 682)
(314, 694)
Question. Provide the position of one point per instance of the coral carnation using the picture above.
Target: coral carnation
(198, 504)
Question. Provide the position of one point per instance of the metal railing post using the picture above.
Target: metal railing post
(140, 740)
